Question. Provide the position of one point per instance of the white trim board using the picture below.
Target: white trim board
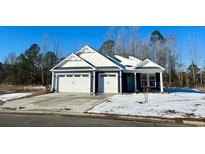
(147, 61)
(70, 57)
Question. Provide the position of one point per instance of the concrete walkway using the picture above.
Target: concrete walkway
(64, 102)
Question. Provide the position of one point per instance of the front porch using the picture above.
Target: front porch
(142, 81)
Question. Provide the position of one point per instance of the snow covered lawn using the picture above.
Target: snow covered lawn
(7, 97)
(174, 105)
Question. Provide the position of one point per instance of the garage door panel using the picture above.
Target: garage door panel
(108, 83)
(81, 83)
(74, 83)
(63, 81)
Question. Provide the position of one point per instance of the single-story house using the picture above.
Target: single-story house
(90, 71)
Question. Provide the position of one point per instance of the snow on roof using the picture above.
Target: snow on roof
(135, 59)
(128, 62)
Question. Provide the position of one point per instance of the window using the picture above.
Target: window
(61, 76)
(148, 80)
(128, 65)
(85, 75)
(69, 75)
(76, 75)
(112, 75)
(103, 75)
(152, 80)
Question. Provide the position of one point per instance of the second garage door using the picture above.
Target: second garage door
(107, 83)
(74, 83)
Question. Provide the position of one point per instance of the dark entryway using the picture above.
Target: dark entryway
(152, 82)
(128, 82)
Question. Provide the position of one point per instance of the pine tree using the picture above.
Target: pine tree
(108, 48)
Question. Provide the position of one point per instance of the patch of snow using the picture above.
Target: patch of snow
(7, 97)
(174, 105)
(34, 87)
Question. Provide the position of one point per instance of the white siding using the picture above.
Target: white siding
(74, 61)
(95, 58)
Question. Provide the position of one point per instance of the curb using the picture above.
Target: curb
(186, 122)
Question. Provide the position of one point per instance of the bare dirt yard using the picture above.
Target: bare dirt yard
(201, 88)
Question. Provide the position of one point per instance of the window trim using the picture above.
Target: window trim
(147, 80)
(154, 75)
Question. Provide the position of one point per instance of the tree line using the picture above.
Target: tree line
(160, 49)
(29, 68)
(32, 67)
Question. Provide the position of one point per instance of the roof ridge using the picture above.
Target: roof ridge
(67, 59)
(85, 61)
(106, 56)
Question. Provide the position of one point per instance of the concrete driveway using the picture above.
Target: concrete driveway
(65, 102)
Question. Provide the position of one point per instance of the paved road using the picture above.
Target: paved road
(20, 120)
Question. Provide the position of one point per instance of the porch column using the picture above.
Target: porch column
(93, 82)
(120, 81)
(135, 79)
(148, 84)
(52, 82)
(161, 83)
(56, 82)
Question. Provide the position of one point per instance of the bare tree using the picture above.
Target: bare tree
(193, 54)
(180, 68)
(111, 34)
(170, 61)
(56, 48)
(201, 78)
(120, 45)
(133, 43)
(11, 59)
(44, 50)
(144, 51)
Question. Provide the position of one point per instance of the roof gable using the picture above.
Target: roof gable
(96, 58)
(148, 64)
(73, 61)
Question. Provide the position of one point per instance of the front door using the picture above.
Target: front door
(130, 83)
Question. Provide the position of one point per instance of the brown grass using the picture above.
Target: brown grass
(35, 90)
(201, 88)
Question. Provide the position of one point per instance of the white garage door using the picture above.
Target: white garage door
(107, 83)
(74, 83)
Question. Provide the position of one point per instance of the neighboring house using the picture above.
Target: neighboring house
(89, 71)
